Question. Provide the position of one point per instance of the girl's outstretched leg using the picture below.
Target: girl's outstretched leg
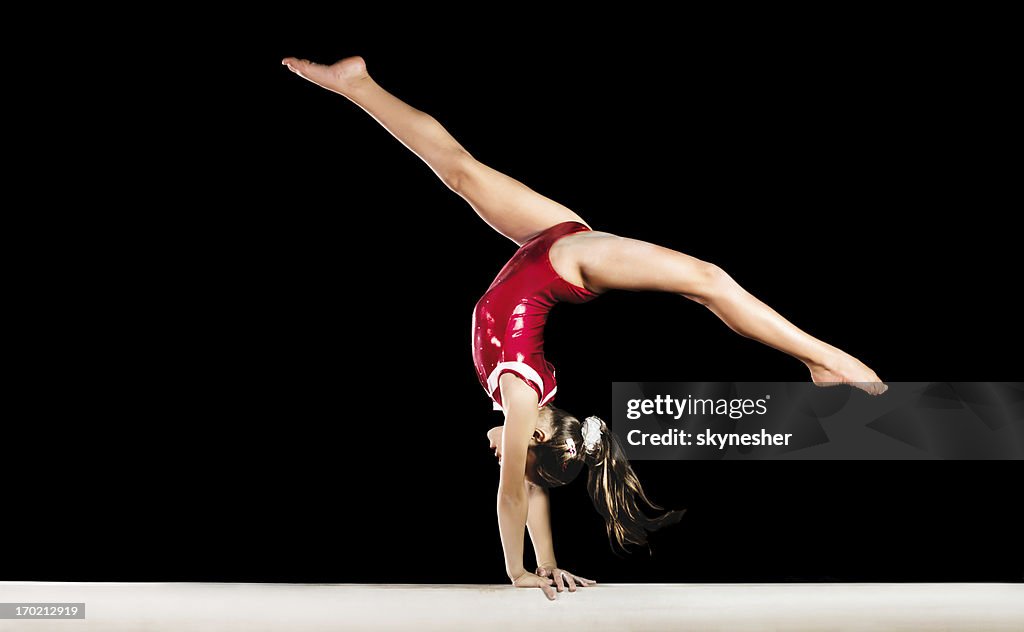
(507, 205)
(611, 262)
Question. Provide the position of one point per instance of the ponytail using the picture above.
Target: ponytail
(616, 491)
(613, 486)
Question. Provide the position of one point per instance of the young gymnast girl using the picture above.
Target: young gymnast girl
(562, 259)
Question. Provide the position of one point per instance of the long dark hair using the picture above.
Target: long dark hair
(611, 482)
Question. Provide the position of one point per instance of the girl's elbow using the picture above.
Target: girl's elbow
(511, 496)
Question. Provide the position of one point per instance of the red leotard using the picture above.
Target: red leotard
(508, 322)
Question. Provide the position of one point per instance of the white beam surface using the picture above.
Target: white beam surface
(188, 607)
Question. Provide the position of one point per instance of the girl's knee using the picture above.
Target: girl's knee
(711, 283)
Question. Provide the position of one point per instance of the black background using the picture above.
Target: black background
(263, 341)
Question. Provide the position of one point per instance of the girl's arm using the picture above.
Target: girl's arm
(521, 415)
(538, 521)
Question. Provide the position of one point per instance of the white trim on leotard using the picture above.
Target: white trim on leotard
(548, 397)
(540, 404)
(526, 371)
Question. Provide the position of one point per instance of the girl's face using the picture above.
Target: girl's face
(544, 430)
(539, 435)
(494, 438)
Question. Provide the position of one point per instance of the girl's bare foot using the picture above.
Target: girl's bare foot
(341, 76)
(842, 368)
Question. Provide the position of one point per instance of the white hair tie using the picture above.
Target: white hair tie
(570, 445)
(591, 433)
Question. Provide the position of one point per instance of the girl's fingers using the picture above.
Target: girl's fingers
(563, 579)
(549, 590)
